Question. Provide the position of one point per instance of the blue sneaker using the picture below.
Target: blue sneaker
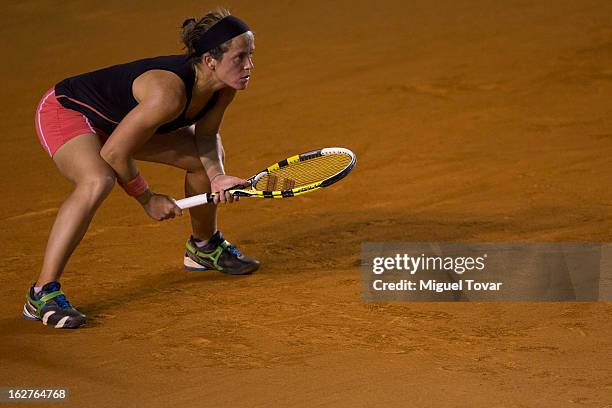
(52, 308)
(218, 254)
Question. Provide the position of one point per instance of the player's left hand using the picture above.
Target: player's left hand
(222, 183)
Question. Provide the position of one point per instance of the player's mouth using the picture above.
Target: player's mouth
(245, 78)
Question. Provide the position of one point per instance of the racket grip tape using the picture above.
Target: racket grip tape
(194, 201)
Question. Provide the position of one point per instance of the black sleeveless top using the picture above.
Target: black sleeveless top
(105, 96)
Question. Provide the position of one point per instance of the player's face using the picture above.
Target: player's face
(235, 67)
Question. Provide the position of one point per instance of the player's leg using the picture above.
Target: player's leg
(79, 161)
(206, 249)
(178, 149)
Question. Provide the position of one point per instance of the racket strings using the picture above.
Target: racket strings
(304, 172)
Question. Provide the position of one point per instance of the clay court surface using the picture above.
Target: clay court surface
(485, 121)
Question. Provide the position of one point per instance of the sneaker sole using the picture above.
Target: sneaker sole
(246, 271)
(27, 315)
(191, 265)
(63, 323)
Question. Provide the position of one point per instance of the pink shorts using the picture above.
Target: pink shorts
(55, 125)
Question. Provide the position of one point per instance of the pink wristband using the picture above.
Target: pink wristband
(136, 186)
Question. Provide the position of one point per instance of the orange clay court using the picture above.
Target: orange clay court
(477, 121)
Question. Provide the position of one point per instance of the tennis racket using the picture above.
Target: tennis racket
(297, 175)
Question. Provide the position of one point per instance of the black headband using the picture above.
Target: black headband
(226, 29)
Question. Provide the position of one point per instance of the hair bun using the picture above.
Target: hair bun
(188, 21)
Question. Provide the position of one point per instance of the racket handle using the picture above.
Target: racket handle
(194, 201)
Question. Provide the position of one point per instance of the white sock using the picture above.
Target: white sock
(37, 289)
(201, 244)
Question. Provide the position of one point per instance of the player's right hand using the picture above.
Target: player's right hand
(161, 207)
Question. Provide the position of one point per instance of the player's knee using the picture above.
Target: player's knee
(199, 171)
(97, 187)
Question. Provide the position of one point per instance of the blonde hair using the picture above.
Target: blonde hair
(192, 29)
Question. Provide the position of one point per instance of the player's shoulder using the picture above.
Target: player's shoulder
(158, 86)
(160, 82)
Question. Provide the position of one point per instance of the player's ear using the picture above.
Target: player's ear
(210, 62)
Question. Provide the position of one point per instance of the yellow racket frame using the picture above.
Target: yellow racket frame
(286, 193)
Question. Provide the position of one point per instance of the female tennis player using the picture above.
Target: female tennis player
(96, 125)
